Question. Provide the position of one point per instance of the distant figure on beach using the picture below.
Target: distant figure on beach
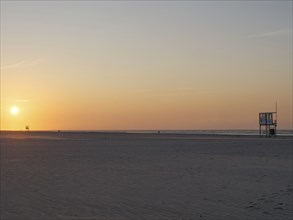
(159, 132)
(27, 128)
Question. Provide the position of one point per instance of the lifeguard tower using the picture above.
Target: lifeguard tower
(268, 124)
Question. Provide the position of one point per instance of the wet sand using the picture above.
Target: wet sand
(70, 175)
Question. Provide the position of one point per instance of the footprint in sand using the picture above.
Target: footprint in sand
(278, 208)
(253, 205)
(270, 200)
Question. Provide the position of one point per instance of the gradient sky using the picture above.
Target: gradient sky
(99, 65)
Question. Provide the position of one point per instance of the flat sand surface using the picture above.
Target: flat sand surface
(70, 175)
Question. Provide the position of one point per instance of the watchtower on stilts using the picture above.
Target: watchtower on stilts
(268, 123)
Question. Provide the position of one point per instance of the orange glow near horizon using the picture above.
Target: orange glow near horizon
(143, 112)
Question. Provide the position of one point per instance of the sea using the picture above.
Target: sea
(212, 132)
(196, 132)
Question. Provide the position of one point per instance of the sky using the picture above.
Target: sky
(125, 65)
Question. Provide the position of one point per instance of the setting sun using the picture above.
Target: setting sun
(14, 110)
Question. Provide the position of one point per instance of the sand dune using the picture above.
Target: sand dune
(67, 175)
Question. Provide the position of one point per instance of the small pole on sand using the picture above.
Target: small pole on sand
(276, 121)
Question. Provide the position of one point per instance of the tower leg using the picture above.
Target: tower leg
(260, 130)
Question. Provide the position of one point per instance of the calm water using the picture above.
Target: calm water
(216, 132)
(199, 132)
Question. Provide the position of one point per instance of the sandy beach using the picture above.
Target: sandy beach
(70, 175)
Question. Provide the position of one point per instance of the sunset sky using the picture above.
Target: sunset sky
(97, 65)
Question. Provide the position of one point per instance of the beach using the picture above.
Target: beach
(100, 175)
